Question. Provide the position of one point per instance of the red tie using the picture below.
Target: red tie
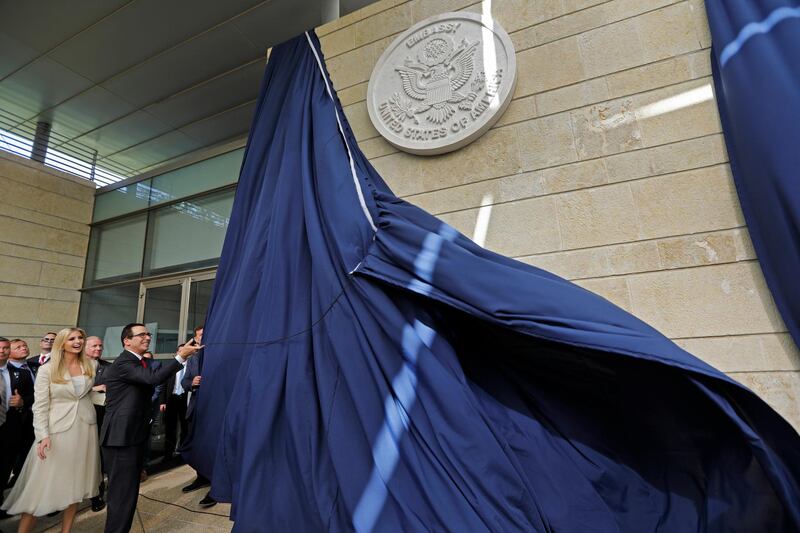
(144, 365)
(42, 359)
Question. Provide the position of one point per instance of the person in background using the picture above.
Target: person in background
(20, 419)
(129, 389)
(45, 347)
(64, 466)
(191, 382)
(173, 406)
(6, 435)
(155, 410)
(94, 351)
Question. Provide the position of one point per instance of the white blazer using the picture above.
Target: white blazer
(56, 407)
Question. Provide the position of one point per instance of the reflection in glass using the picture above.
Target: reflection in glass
(198, 177)
(162, 308)
(104, 312)
(188, 234)
(199, 297)
(121, 201)
(115, 250)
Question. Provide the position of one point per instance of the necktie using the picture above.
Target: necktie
(42, 359)
(3, 399)
(144, 365)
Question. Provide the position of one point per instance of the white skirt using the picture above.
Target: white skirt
(69, 474)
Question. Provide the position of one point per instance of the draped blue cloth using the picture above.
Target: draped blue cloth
(756, 67)
(369, 368)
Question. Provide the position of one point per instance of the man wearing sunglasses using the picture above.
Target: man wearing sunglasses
(45, 347)
(129, 383)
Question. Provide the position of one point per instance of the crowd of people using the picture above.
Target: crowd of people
(70, 420)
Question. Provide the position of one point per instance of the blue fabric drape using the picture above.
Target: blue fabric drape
(756, 67)
(369, 368)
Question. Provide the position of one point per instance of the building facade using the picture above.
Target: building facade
(608, 168)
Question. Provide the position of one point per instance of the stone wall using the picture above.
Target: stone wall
(44, 233)
(608, 168)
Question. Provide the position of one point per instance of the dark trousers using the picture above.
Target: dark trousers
(22, 445)
(17, 437)
(6, 459)
(174, 417)
(124, 465)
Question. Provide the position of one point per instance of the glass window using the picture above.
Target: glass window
(115, 250)
(121, 201)
(198, 177)
(199, 298)
(187, 234)
(104, 312)
(162, 311)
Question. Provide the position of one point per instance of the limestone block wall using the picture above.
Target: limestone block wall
(44, 233)
(608, 168)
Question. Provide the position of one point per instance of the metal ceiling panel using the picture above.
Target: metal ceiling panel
(232, 123)
(163, 148)
(86, 111)
(275, 22)
(139, 31)
(14, 54)
(40, 85)
(184, 66)
(125, 132)
(141, 81)
(232, 89)
(42, 24)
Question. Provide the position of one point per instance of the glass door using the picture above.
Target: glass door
(161, 312)
(172, 308)
(199, 298)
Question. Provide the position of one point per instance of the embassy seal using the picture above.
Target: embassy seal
(442, 83)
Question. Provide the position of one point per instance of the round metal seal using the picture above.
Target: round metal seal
(442, 83)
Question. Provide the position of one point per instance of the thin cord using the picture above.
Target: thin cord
(139, 516)
(181, 506)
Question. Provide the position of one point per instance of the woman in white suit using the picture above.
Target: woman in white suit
(63, 467)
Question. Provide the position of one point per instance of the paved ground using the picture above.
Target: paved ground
(181, 514)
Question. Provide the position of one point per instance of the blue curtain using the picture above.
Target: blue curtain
(756, 66)
(369, 368)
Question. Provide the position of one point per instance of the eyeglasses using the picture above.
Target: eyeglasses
(48, 339)
(141, 335)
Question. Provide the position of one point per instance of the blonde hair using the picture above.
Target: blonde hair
(57, 356)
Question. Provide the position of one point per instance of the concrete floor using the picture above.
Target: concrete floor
(154, 516)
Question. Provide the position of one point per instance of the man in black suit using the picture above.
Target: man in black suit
(45, 347)
(19, 419)
(129, 385)
(173, 405)
(6, 436)
(94, 350)
(191, 382)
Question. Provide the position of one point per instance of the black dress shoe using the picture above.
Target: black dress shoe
(4, 515)
(207, 502)
(198, 483)
(51, 515)
(98, 504)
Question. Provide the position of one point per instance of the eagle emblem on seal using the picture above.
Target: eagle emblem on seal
(433, 80)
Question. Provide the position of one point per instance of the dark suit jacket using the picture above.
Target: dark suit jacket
(33, 363)
(100, 410)
(129, 390)
(24, 384)
(192, 370)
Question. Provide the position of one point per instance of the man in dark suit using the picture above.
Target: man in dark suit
(45, 347)
(191, 382)
(173, 405)
(129, 383)
(94, 350)
(6, 436)
(19, 419)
